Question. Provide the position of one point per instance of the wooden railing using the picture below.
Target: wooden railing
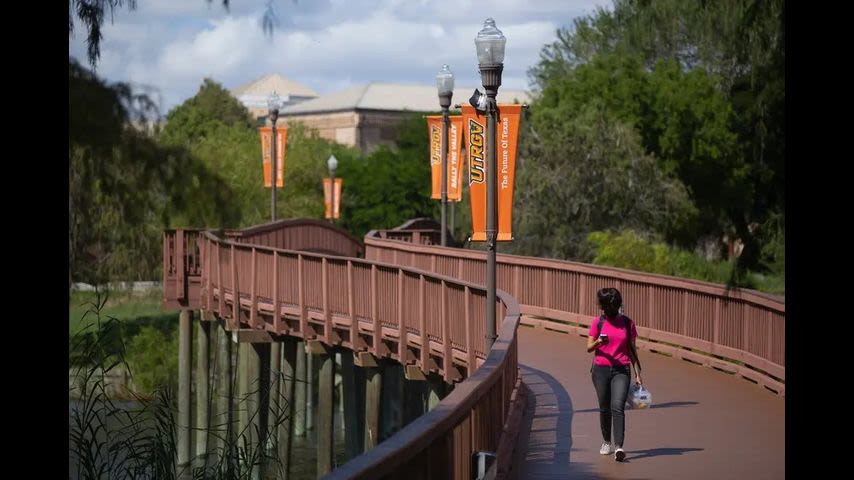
(421, 231)
(301, 234)
(414, 317)
(474, 417)
(419, 237)
(739, 331)
(181, 269)
(181, 263)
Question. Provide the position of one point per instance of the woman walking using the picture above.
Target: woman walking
(612, 336)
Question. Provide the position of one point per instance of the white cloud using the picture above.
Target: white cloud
(326, 45)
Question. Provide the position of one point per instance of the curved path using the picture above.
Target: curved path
(704, 424)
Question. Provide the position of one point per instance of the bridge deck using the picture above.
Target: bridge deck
(704, 424)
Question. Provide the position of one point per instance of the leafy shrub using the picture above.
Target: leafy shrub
(153, 357)
(636, 251)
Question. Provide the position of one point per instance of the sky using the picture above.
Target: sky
(170, 46)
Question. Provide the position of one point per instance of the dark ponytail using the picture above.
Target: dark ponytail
(610, 300)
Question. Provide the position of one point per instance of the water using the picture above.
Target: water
(303, 453)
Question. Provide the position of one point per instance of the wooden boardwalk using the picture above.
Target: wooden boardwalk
(704, 424)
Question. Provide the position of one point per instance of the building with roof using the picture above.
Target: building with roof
(368, 116)
(253, 95)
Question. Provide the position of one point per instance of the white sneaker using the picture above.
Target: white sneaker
(619, 455)
(606, 449)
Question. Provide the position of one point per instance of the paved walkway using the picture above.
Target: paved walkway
(704, 424)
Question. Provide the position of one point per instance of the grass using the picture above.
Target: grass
(109, 441)
(773, 284)
(133, 323)
(124, 305)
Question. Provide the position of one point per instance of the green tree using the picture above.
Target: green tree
(123, 186)
(738, 44)
(389, 186)
(585, 172)
(682, 119)
(202, 115)
(216, 129)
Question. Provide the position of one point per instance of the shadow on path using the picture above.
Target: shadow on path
(545, 440)
(662, 405)
(656, 452)
(673, 404)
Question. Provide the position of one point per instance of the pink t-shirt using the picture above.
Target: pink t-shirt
(616, 351)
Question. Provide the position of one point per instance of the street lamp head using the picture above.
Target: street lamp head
(490, 44)
(445, 81)
(332, 163)
(273, 104)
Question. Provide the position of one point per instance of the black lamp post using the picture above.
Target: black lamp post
(445, 85)
(490, 56)
(273, 104)
(332, 164)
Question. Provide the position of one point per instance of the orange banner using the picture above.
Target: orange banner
(282, 141)
(474, 127)
(434, 130)
(455, 156)
(326, 199)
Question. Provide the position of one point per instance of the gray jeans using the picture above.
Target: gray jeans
(612, 388)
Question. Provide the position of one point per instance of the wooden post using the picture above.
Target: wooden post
(401, 329)
(185, 347)
(435, 391)
(373, 395)
(286, 427)
(651, 308)
(349, 399)
(351, 306)
(325, 411)
(470, 334)
(303, 317)
(208, 272)
(277, 318)
(243, 385)
(582, 293)
(221, 296)
(244, 397)
(413, 400)
(447, 360)
(225, 397)
(717, 325)
(328, 331)
(202, 389)
(300, 390)
(253, 315)
(274, 398)
(375, 313)
(422, 324)
(547, 288)
(392, 399)
(235, 291)
(180, 265)
(250, 423)
(261, 395)
(359, 395)
(309, 391)
(339, 389)
(685, 321)
(253, 418)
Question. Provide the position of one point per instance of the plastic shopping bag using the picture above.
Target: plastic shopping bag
(639, 397)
